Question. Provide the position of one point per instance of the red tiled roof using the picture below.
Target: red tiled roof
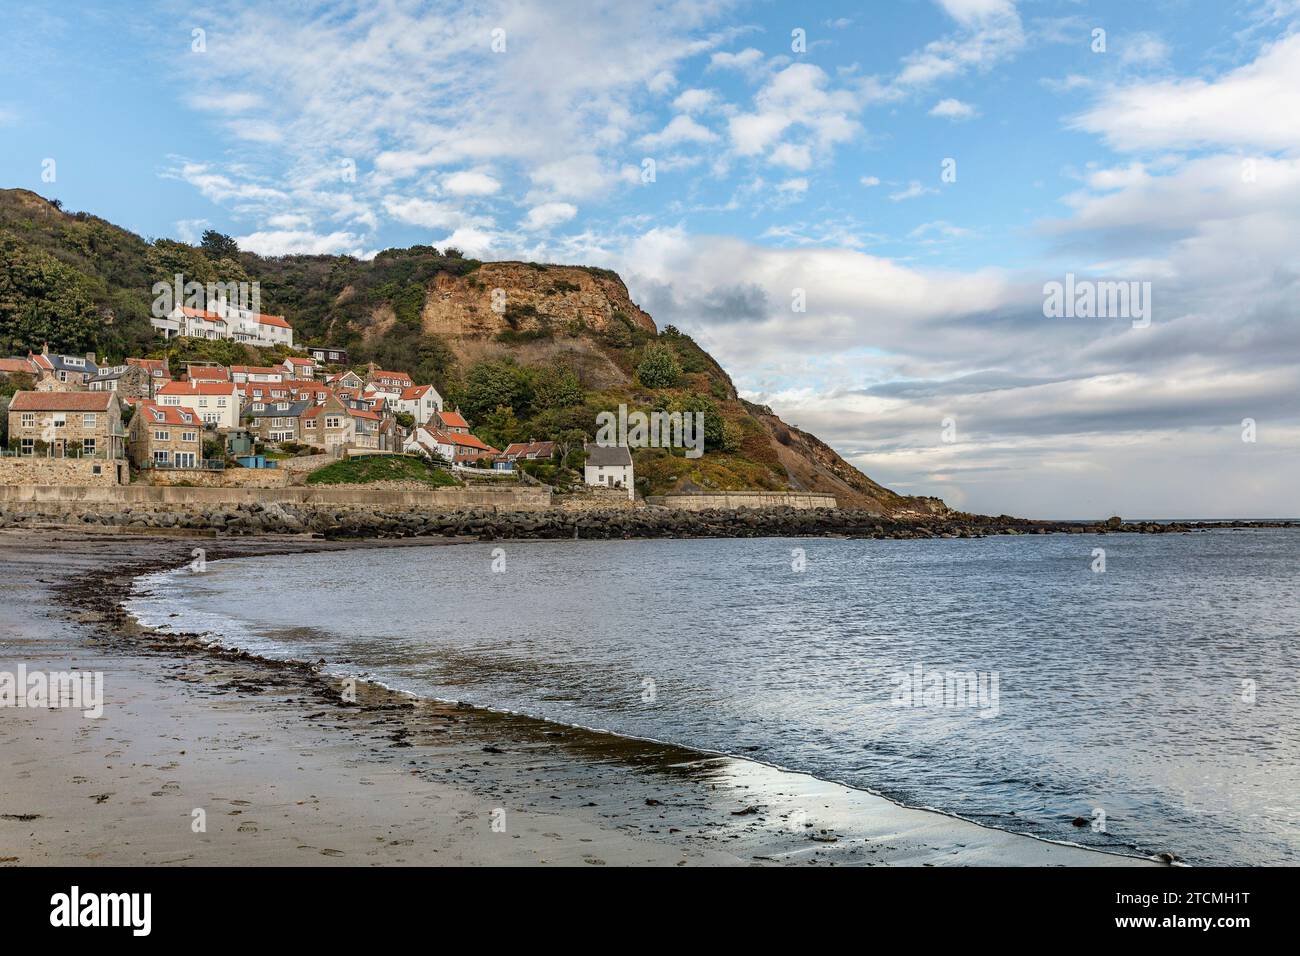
(199, 388)
(168, 414)
(200, 314)
(61, 401)
(293, 359)
(276, 320)
(209, 373)
(257, 369)
(522, 449)
(17, 365)
(453, 420)
(149, 365)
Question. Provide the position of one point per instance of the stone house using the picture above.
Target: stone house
(165, 436)
(67, 424)
(328, 425)
(74, 370)
(129, 381)
(275, 421)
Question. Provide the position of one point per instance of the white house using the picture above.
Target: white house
(225, 321)
(217, 403)
(422, 402)
(609, 466)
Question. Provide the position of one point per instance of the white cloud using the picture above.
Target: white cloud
(228, 102)
(913, 190)
(470, 183)
(549, 214)
(746, 60)
(423, 212)
(694, 100)
(870, 181)
(953, 109)
(793, 187)
(1255, 106)
(791, 155)
(302, 242)
(680, 129)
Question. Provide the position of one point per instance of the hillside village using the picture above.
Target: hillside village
(134, 420)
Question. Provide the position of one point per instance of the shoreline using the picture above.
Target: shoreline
(646, 802)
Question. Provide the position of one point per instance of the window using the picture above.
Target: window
(162, 457)
(258, 406)
(160, 434)
(332, 422)
(88, 421)
(221, 403)
(60, 419)
(88, 447)
(29, 419)
(29, 446)
(96, 469)
(189, 436)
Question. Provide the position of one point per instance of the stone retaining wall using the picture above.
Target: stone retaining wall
(743, 499)
(228, 478)
(39, 470)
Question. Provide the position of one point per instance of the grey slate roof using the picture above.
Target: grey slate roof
(608, 455)
(272, 410)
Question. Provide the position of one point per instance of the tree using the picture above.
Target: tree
(406, 419)
(658, 368)
(556, 388)
(490, 385)
(216, 245)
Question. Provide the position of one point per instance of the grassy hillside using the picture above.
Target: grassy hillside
(371, 468)
(568, 343)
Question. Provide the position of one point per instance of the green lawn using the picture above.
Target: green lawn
(360, 471)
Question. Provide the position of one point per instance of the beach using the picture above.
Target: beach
(209, 757)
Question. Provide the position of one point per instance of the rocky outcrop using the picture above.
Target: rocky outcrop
(527, 298)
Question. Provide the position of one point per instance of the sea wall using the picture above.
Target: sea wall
(107, 499)
(742, 499)
(595, 499)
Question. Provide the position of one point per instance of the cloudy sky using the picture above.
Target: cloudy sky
(855, 206)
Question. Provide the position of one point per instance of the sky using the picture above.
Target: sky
(856, 207)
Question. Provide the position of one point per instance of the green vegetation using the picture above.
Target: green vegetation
(659, 367)
(370, 468)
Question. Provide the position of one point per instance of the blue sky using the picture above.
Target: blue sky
(776, 169)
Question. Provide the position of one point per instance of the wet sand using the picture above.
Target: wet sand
(285, 771)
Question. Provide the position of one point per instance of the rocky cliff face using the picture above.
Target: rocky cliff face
(526, 298)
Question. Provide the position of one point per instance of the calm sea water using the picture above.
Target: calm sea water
(1159, 700)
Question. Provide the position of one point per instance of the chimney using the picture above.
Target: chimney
(90, 357)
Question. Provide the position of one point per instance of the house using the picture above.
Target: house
(17, 366)
(459, 448)
(369, 429)
(348, 379)
(421, 402)
(157, 370)
(608, 466)
(328, 355)
(74, 370)
(62, 424)
(216, 402)
(225, 321)
(165, 436)
(390, 383)
(129, 381)
(275, 422)
(242, 374)
(207, 373)
(452, 422)
(301, 369)
(529, 450)
(328, 425)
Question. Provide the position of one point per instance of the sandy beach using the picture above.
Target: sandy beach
(281, 770)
